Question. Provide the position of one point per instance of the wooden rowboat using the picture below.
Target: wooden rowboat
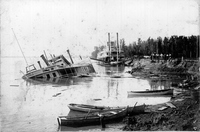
(151, 92)
(92, 118)
(92, 108)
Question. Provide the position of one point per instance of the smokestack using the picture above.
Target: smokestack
(45, 60)
(45, 55)
(117, 44)
(108, 37)
(39, 64)
(109, 44)
(70, 57)
(120, 45)
(117, 47)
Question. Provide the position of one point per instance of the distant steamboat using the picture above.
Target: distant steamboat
(112, 55)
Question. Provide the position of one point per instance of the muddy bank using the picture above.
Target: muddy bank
(182, 112)
(170, 69)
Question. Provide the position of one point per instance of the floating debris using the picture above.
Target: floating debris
(84, 75)
(56, 86)
(179, 100)
(14, 85)
(170, 105)
(196, 88)
(162, 108)
(64, 90)
(56, 94)
(97, 99)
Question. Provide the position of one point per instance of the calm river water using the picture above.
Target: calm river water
(35, 105)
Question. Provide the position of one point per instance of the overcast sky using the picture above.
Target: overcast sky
(79, 25)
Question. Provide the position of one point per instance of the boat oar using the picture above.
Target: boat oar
(103, 125)
(87, 114)
(101, 117)
(133, 107)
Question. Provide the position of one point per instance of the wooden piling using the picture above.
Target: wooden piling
(103, 125)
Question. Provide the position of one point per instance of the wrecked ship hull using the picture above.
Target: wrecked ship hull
(61, 72)
(58, 67)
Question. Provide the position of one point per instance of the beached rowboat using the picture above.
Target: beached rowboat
(92, 108)
(92, 118)
(151, 92)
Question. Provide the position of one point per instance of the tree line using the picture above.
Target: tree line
(176, 46)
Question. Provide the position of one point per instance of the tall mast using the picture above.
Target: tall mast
(20, 48)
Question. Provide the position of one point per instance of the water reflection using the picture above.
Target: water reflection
(112, 88)
(158, 84)
(59, 81)
(108, 71)
(90, 128)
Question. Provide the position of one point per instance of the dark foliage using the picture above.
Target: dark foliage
(177, 46)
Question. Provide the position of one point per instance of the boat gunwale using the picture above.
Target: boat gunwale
(151, 91)
(92, 108)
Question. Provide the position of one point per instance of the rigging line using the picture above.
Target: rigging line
(20, 47)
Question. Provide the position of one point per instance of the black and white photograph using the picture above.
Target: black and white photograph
(99, 65)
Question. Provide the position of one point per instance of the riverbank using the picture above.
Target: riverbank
(182, 111)
(147, 68)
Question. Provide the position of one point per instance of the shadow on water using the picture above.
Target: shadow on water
(93, 128)
(149, 96)
(59, 81)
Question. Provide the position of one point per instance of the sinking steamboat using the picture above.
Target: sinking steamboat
(58, 67)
